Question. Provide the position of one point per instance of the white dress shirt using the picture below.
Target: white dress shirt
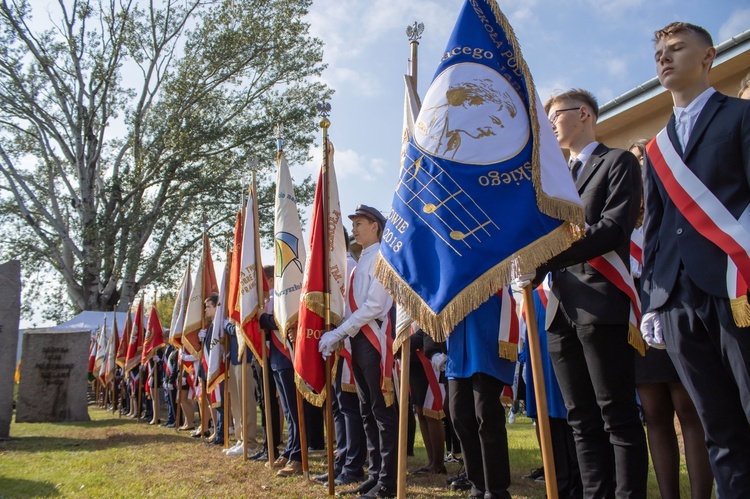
(373, 301)
(585, 154)
(685, 117)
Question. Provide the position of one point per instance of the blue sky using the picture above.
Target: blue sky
(601, 45)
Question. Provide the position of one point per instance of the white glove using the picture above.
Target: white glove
(329, 341)
(438, 361)
(651, 330)
(202, 334)
(524, 280)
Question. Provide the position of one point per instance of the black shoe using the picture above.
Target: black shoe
(322, 478)
(261, 455)
(347, 479)
(461, 484)
(379, 490)
(217, 442)
(459, 476)
(364, 487)
(535, 474)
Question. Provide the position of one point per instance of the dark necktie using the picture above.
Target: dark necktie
(575, 169)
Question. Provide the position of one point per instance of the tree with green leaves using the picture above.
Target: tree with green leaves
(123, 123)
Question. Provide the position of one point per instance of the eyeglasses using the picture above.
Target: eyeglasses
(556, 114)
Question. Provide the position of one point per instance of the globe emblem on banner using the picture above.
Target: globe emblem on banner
(471, 114)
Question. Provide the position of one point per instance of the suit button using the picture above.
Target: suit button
(679, 231)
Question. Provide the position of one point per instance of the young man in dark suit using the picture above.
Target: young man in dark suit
(693, 301)
(587, 315)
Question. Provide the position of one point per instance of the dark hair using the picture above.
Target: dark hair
(744, 84)
(640, 144)
(681, 27)
(214, 299)
(578, 95)
(268, 271)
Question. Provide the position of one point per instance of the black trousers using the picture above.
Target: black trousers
(566, 463)
(594, 367)
(275, 416)
(712, 357)
(479, 421)
(380, 422)
(351, 442)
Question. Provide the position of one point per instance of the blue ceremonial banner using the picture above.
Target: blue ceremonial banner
(484, 193)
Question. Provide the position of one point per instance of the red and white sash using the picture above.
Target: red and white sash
(347, 371)
(382, 342)
(507, 339)
(433, 401)
(636, 246)
(706, 214)
(615, 271)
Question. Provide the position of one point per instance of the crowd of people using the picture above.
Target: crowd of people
(682, 198)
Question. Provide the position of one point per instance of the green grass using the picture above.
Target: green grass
(117, 457)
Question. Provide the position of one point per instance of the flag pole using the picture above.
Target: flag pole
(279, 131)
(203, 409)
(253, 163)
(180, 372)
(548, 460)
(414, 33)
(155, 389)
(225, 346)
(324, 110)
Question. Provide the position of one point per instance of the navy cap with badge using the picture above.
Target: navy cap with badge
(369, 213)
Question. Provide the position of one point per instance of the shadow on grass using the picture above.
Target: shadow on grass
(20, 488)
(52, 444)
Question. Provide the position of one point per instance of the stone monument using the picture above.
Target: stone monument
(10, 313)
(53, 376)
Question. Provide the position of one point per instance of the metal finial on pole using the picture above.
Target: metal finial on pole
(279, 132)
(414, 33)
(324, 111)
(252, 163)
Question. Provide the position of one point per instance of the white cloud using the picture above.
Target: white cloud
(348, 163)
(616, 66)
(738, 22)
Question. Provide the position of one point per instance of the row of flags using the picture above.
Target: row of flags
(135, 345)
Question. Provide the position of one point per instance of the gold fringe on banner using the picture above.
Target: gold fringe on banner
(439, 326)
(740, 311)
(291, 325)
(316, 399)
(401, 335)
(349, 387)
(315, 302)
(389, 392)
(433, 414)
(507, 350)
(635, 339)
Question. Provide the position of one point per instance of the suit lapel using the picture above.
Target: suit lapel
(591, 165)
(672, 134)
(707, 114)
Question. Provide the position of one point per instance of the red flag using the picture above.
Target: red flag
(233, 293)
(135, 347)
(154, 336)
(122, 350)
(326, 231)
